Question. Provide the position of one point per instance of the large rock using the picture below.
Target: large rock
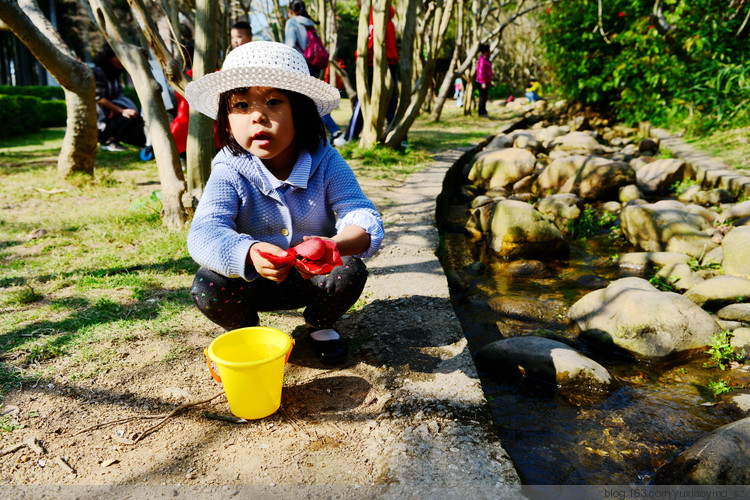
(501, 167)
(478, 224)
(547, 134)
(548, 361)
(737, 211)
(735, 312)
(580, 143)
(590, 177)
(525, 139)
(720, 457)
(602, 180)
(658, 176)
(642, 261)
(633, 315)
(668, 227)
(736, 245)
(720, 291)
(500, 141)
(517, 230)
(562, 208)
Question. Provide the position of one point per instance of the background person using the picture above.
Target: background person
(484, 78)
(295, 35)
(458, 92)
(118, 119)
(240, 34)
(533, 90)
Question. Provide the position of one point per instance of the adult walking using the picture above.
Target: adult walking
(295, 35)
(484, 77)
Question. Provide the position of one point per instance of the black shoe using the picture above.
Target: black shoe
(329, 351)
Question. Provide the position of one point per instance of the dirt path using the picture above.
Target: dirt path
(407, 409)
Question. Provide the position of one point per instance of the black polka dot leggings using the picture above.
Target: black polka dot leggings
(234, 303)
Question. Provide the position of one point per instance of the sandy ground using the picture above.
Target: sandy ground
(406, 415)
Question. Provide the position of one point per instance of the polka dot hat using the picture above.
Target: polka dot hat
(261, 64)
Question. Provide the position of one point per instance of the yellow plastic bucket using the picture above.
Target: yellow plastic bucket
(251, 367)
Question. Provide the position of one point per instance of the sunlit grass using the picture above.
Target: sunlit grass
(104, 268)
(730, 146)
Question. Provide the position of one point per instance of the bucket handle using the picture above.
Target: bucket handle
(217, 377)
(210, 368)
(289, 352)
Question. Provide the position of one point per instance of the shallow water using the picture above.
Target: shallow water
(654, 413)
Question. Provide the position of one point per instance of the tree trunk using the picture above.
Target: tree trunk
(171, 63)
(27, 22)
(363, 30)
(449, 80)
(135, 62)
(374, 113)
(200, 142)
(434, 38)
(407, 60)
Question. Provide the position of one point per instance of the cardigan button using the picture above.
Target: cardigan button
(285, 232)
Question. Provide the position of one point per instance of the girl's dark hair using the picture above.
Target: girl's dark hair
(308, 127)
(298, 7)
(484, 47)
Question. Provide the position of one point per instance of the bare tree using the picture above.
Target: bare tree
(488, 21)
(27, 22)
(135, 62)
(434, 25)
(200, 150)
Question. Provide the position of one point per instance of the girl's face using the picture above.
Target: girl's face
(261, 121)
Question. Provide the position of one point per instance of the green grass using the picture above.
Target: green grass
(90, 278)
(730, 146)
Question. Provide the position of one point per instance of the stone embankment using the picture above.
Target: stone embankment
(533, 191)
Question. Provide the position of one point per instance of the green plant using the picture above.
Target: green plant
(8, 425)
(697, 265)
(663, 284)
(152, 203)
(26, 295)
(719, 387)
(681, 186)
(695, 74)
(590, 223)
(721, 351)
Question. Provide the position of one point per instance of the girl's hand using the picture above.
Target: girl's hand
(267, 269)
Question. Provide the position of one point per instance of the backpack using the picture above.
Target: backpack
(315, 54)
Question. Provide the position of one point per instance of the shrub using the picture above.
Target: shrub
(44, 93)
(53, 113)
(19, 114)
(695, 74)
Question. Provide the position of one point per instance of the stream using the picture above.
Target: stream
(655, 412)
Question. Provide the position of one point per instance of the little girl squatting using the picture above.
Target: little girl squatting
(275, 183)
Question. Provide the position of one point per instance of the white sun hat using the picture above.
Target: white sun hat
(261, 64)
